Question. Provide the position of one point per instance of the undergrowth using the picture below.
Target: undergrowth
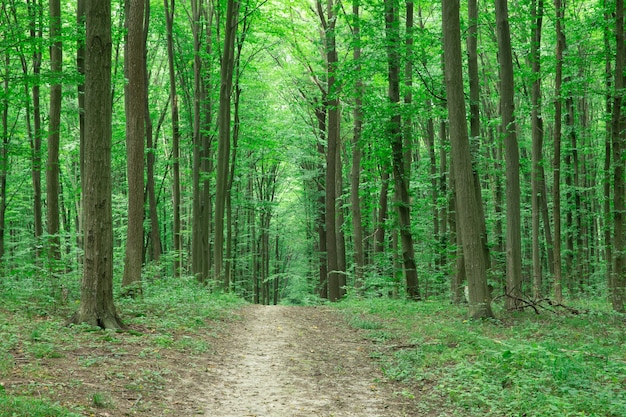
(521, 364)
(172, 314)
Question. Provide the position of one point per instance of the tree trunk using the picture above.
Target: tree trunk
(52, 171)
(134, 98)
(199, 233)
(320, 114)
(4, 153)
(331, 104)
(401, 180)
(474, 85)
(556, 165)
(608, 216)
(511, 148)
(36, 27)
(155, 236)
(537, 144)
(617, 123)
(355, 173)
(177, 246)
(96, 302)
(467, 204)
(223, 147)
(80, 66)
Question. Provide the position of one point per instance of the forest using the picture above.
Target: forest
(446, 176)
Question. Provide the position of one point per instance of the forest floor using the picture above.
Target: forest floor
(263, 361)
(297, 361)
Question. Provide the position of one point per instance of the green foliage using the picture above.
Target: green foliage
(521, 365)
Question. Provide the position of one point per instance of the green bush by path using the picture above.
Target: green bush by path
(523, 364)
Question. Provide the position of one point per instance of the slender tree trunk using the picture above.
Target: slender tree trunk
(4, 153)
(355, 173)
(134, 98)
(556, 165)
(80, 66)
(331, 104)
(96, 302)
(155, 235)
(467, 204)
(36, 24)
(401, 180)
(608, 216)
(320, 114)
(617, 122)
(537, 143)
(52, 170)
(511, 148)
(474, 84)
(224, 128)
(177, 246)
(198, 250)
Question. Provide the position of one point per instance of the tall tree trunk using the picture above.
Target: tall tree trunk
(608, 216)
(331, 103)
(155, 236)
(320, 114)
(80, 66)
(36, 25)
(96, 302)
(474, 85)
(511, 149)
(617, 122)
(223, 146)
(52, 171)
(467, 204)
(199, 234)
(134, 97)
(537, 143)
(401, 180)
(177, 246)
(355, 173)
(556, 165)
(4, 153)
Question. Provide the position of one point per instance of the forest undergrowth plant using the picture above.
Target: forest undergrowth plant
(521, 364)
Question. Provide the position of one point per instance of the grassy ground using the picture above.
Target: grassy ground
(49, 369)
(522, 364)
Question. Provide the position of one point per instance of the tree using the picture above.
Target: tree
(556, 164)
(331, 103)
(537, 142)
(223, 144)
(511, 148)
(467, 208)
(176, 232)
(96, 296)
(401, 180)
(134, 99)
(618, 289)
(52, 172)
(355, 170)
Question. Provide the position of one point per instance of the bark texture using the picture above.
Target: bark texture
(96, 303)
(468, 222)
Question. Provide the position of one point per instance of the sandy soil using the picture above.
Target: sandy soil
(295, 361)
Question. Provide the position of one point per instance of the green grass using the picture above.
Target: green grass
(28, 407)
(522, 364)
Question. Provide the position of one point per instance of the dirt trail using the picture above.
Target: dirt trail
(296, 361)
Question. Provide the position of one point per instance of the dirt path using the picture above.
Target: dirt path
(296, 361)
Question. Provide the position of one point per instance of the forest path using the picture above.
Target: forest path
(296, 361)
